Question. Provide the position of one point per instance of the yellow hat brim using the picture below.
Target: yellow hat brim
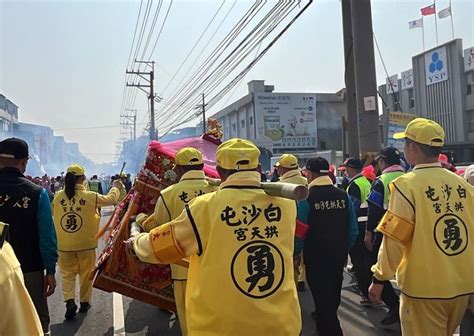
(400, 135)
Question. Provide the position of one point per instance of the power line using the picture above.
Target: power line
(161, 30)
(133, 93)
(245, 71)
(194, 46)
(207, 44)
(213, 57)
(151, 53)
(397, 95)
(219, 49)
(234, 58)
(142, 30)
(130, 56)
(91, 127)
(150, 34)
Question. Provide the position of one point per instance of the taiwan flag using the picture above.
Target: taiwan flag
(430, 10)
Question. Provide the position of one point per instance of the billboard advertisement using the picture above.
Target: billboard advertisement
(436, 66)
(396, 124)
(288, 120)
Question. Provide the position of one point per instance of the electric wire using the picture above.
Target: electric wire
(254, 9)
(261, 31)
(259, 57)
(397, 94)
(226, 42)
(194, 46)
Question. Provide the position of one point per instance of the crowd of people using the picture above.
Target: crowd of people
(99, 184)
(406, 217)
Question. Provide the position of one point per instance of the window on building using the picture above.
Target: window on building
(397, 106)
(234, 128)
(471, 126)
(251, 120)
(242, 123)
(411, 99)
(323, 145)
(4, 125)
(469, 88)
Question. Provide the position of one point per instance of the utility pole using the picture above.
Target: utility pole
(365, 78)
(130, 121)
(204, 126)
(351, 122)
(151, 94)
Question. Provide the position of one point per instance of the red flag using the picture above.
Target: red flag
(430, 10)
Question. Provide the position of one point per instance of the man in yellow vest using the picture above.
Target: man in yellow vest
(19, 316)
(289, 172)
(76, 220)
(428, 233)
(192, 183)
(358, 190)
(121, 186)
(467, 324)
(240, 242)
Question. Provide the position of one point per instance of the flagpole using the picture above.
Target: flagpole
(452, 23)
(436, 23)
(423, 32)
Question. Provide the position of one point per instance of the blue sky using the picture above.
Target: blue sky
(63, 62)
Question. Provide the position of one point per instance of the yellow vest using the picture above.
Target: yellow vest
(294, 177)
(175, 197)
(20, 318)
(241, 281)
(438, 255)
(123, 191)
(77, 220)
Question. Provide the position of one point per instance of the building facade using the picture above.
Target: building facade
(8, 116)
(281, 122)
(49, 153)
(441, 88)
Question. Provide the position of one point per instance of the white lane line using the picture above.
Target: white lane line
(119, 321)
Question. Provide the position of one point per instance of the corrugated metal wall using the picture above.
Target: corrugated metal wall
(440, 107)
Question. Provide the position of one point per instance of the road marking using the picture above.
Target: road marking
(119, 321)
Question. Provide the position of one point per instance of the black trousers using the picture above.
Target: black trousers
(389, 297)
(34, 283)
(467, 324)
(325, 283)
(361, 261)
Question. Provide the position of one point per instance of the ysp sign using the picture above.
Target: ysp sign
(436, 66)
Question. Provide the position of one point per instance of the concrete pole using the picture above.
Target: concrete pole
(365, 78)
(153, 132)
(351, 138)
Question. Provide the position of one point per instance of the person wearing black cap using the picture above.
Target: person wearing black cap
(332, 229)
(389, 163)
(26, 208)
(358, 189)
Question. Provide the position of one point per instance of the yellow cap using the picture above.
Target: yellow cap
(76, 169)
(423, 131)
(287, 161)
(188, 156)
(237, 154)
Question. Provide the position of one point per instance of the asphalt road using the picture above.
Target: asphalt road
(113, 314)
